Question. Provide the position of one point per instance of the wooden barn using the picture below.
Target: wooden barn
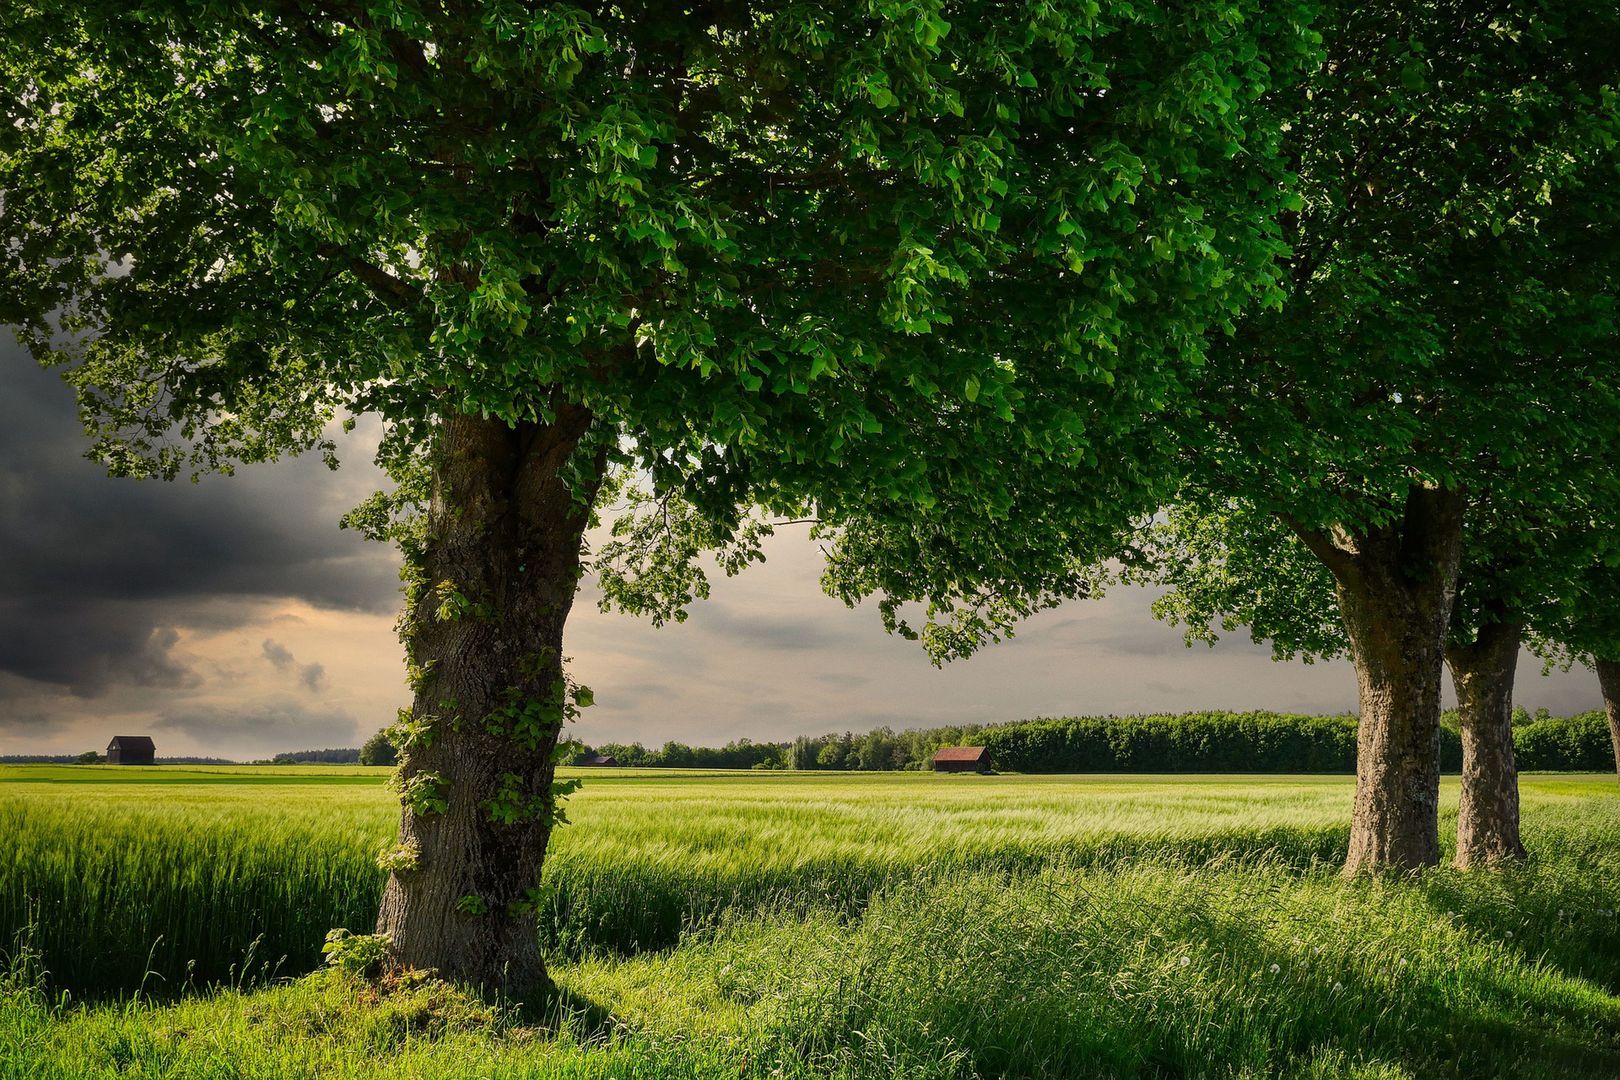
(601, 760)
(131, 750)
(962, 759)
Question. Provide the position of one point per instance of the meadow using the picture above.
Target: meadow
(748, 924)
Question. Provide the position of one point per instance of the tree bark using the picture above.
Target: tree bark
(1395, 589)
(1488, 815)
(1608, 672)
(494, 580)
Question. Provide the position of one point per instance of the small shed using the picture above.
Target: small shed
(962, 759)
(601, 760)
(131, 750)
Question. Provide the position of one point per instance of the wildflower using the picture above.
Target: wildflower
(1403, 961)
(1276, 968)
(1510, 933)
(1185, 960)
(1337, 987)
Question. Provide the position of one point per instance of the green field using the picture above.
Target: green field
(816, 924)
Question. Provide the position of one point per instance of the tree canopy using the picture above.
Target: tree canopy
(1451, 314)
(740, 237)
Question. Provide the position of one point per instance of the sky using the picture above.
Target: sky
(233, 618)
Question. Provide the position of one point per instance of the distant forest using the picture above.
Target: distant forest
(1184, 742)
(1181, 742)
(349, 755)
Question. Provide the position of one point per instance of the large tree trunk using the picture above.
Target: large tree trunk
(497, 573)
(1395, 589)
(1488, 815)
(1608, 672)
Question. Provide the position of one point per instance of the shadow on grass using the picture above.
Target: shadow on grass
(1544, 911)
(558, 1009)
(1176, 971)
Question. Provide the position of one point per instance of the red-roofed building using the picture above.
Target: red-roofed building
(962, 759)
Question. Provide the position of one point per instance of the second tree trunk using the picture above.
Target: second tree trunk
(1488, 813)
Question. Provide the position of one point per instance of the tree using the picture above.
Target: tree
(1445, 353)
(835, 754)
(1520, 575)
(804, 753)
(813, 260)
(378, 750)
(89, 757)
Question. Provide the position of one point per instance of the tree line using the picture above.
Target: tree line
(1167, 743)
(1302, 308)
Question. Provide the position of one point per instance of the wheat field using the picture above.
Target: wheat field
(812, 924)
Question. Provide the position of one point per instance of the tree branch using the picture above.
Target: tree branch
(392, 291)
(1338, 560)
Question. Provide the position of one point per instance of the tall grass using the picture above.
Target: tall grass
(174, 877)
(1176, 969)
(169, 877)
(1142, 969)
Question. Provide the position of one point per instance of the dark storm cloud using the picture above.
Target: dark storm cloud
(263, 727)
(88, 646)
(95, 572)
(20, 719)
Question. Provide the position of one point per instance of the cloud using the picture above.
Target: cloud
(310, 676)
(792, 631)
(102, 577)
(264, 727)
(840, 679)
(88, 646)
(152, 664)
(280, 657)
(25, 717)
